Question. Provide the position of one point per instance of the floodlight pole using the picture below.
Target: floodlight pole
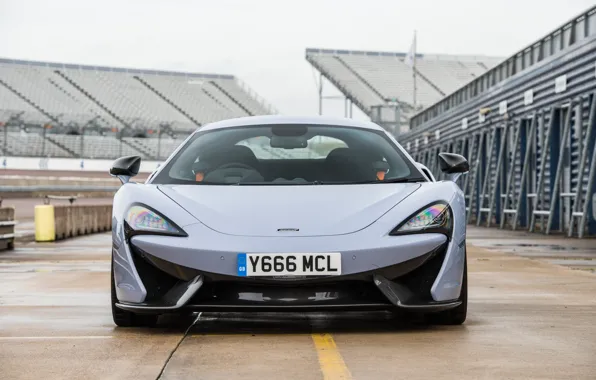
(348, 107)
(346, 100)
(119, 135)
(82, 142)
(159, 142)
(43, 142)
(414, 69)
(5, 150)
(320, 93)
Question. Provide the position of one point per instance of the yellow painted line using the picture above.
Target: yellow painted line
(330, 360)
(259, 334)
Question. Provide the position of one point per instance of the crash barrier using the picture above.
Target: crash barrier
(56, 179)
(57, 222)
(7, 227)
(57, 188)
(38, 191)
(69, 198)
(77, 167)
(529, 136)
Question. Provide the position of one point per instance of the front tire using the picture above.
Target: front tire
(458, 315)
(123, 318)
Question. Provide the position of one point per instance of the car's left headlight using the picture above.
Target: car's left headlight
(142, 219)
(436, 218)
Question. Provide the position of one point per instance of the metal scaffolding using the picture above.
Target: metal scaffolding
(528, 128)
(536, 171)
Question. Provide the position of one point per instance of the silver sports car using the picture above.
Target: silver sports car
(280, 213)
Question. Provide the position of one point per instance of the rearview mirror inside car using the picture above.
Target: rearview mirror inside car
(125, 168)
(288, 142)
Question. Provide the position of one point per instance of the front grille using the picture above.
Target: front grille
(418, 275)
(235, 293)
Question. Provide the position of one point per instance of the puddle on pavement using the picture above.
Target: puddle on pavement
(547, 246)
(553, 247)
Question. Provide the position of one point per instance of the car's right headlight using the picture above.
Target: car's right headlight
(436, 218)
(142, 220)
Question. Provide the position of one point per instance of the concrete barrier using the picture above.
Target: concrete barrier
(19, 186)
(7, 225)
(57, 222)
(49, 180)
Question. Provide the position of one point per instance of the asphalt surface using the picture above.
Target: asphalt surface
(529, 318)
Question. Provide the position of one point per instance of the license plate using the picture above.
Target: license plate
(289, 264)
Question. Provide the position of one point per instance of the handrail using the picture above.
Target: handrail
(69, 198)
(566, 35)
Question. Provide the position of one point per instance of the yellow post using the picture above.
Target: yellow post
(45, 230)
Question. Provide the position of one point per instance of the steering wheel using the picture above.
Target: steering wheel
(236, 165)
(234, 172)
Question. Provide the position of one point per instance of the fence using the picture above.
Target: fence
(530, 140)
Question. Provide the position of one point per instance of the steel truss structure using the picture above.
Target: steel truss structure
(534, 172)
(530, 141)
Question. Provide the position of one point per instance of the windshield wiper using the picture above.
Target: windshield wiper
(318, 182)
(268, 183)
(391, 180)
(404, 180)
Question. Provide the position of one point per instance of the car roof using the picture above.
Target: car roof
(278, 119)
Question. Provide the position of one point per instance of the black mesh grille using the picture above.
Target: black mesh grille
(234, 293)
(156, 282)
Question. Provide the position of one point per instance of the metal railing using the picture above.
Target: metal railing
(561, 39)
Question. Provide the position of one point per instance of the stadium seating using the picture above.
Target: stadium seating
(94, 99)
(115, 98)
(199, 99)
(12, 105)
(374, 78)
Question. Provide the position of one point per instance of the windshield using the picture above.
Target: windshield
(288, 154)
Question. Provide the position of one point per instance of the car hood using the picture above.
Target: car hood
(306, 210)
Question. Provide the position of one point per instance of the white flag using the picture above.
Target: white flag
(410, 59)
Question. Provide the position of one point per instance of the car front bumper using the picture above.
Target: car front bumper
(159, 274)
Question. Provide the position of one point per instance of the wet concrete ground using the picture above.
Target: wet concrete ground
(528, 319)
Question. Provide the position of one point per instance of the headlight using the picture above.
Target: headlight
(141, 219)
(434, 218)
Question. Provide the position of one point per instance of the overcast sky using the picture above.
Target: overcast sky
(263, 41)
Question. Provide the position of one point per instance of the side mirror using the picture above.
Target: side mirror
(125, 168)
(453, 164)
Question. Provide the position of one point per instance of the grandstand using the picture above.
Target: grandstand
(67, 110)
(370, 79)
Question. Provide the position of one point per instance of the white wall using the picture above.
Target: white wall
(74, 164)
